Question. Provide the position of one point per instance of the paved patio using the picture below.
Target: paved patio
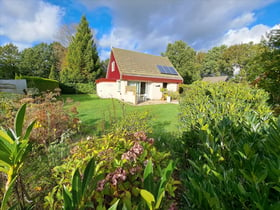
(151, 102)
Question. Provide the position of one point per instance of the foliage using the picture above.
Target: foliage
(227, 160)
(77, 88)
(120, 163)
(42, 84)
(234, 165)
(9, 59)
(82, 62)
(8, 108)
(269, 67)
(154, 192)
(213, 63)
(53, 120)
(37, 61)
(15, 146)
(182, 57)
(208, 103)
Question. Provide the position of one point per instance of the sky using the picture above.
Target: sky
(141, 25)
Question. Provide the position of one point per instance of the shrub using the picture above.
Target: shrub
(208, 103)
(227, 157)
(53, 120)
(120, 163)
(42, 84)
(77, 88)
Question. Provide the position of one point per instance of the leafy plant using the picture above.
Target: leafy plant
(153, 193)
(15, 146)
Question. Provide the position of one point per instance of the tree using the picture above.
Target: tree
(82, 61)
(243, 56)
(59, 53)
(9, 59)
(213, 63)
(182, 57)
(37, 61)
(269, 63)
(53, 73)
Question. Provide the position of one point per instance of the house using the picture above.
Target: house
(135, 77)
(215, 79)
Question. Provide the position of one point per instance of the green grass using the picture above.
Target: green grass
(95, 113)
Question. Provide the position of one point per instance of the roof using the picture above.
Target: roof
(215, 79)
(140, 64)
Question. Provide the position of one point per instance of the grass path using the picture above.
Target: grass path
(94, 111)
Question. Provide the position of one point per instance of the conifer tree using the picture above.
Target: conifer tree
(82, 61)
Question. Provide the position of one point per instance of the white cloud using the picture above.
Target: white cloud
(151, 24)
(245, 35)
(29, 21)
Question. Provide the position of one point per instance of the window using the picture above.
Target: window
(113, 66)
(164, 85)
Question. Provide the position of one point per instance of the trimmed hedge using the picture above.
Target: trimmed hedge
(42, 84)
(77, 88)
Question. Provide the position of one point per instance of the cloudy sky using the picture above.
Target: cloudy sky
(140, 25)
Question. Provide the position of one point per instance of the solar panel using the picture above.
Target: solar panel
(173, 71)
(167, 70)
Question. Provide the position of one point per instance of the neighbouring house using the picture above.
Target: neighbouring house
(215, 79)
(135, 77)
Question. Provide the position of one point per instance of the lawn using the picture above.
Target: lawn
(95, 112)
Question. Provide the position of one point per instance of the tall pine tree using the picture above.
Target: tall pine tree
(82, 61)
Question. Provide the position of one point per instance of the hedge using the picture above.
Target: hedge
(77, 88)
(42, 84)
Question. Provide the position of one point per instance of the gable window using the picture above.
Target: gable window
(113, 66)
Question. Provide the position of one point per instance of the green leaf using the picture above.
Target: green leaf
(148, 177)
(67, 199)
(115, 205)
(7, 194)
(76, 188)
(5, 137)
(167, 172)
(148, 197)
(88, 174)
(29, 129)
(19, 120)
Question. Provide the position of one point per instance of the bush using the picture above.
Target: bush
(208, 103)
(228, 154)
(121, 162)
(77, 88)
(42, 84)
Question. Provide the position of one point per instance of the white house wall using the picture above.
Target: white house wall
(118, 90)
(108, 90)
(172, 87)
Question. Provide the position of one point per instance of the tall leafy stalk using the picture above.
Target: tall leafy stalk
(14, 147)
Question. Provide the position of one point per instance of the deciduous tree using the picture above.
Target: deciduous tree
(183, 58)
(9, 59)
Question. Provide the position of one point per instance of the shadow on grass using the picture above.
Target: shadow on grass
(81, 97)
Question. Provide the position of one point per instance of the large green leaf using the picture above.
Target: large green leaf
(148, 177)
(167, 172)
(148, 197)
(29, 129)
(76, 188)
(7, 194)
(88, 174)
(67, 199)
(19, 120)
(115, 205)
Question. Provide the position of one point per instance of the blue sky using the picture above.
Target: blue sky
(140, 25)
